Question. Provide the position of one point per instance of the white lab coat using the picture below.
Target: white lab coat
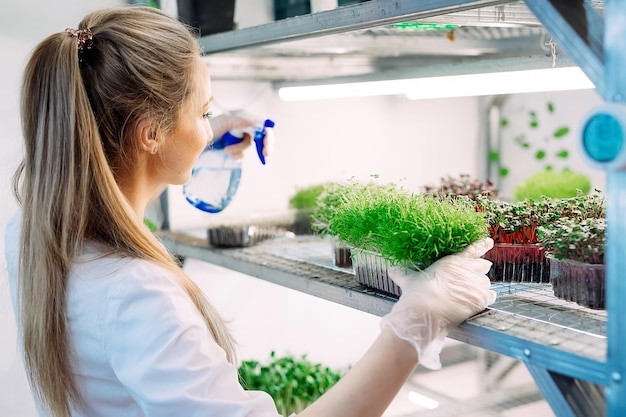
(139, 345)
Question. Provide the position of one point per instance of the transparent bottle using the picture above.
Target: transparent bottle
(216, 175)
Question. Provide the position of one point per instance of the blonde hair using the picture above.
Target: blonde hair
(79, 110)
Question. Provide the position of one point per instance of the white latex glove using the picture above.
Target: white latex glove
(439, 298)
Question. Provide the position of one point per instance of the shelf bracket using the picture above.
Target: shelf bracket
(569, 397)
(579, 28)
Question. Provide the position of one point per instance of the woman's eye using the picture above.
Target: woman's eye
(208, 115)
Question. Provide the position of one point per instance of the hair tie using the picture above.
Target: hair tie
(83, 38)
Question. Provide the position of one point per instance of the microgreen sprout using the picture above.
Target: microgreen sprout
(552, 184)
(579, 240)
(293, 382)
(517, 223)
(413, 230)
(463, 185)
(306, 197)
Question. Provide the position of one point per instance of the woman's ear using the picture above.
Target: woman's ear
(147, 137)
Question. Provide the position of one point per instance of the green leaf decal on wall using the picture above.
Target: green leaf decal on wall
(494, 156)
(521, 141)
(534, 124)
(563, 154)
(548, 144)
(560, 132)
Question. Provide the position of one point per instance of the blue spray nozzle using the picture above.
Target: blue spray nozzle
(234, 137)
(259, 135)
(226, 140)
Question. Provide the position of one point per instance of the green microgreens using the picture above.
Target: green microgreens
(292, 382)
(517, 223)
(305, 198)
(463, 185)
(579, 240)
(552, 184)
(413, 230)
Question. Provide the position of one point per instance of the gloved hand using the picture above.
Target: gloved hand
(439, 298)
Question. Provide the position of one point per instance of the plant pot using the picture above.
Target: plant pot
(290, 8)
(579, 282)
(370, 269)
(518, 263)
(208, 17)
(302, 222)
(243, 235)
(342, 255)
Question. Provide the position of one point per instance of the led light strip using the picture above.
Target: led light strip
(506, 82)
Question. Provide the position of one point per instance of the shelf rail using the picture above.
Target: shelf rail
(342, 19)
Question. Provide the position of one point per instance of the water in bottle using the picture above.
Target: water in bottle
(216, 175)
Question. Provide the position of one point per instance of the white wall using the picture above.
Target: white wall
(14, 395)
(411, 142)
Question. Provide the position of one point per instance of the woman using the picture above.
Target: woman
(109, 324)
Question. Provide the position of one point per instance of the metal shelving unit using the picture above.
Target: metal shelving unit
(526, 323)
(556, 329)
(577, 356)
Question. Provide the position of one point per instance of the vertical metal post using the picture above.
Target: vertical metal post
(614, 51)
(615, 292)
(607, 69)
(615, 90)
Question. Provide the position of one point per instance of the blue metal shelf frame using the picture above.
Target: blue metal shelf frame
(597, 45)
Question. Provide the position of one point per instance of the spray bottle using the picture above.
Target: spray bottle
(216, 175)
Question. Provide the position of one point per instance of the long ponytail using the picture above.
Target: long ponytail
(77, 112)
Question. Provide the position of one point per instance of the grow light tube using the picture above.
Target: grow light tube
(507, 82)
(344, 90)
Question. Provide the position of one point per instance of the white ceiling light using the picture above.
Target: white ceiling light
(509, 82)
(506, 82)
(361, 89)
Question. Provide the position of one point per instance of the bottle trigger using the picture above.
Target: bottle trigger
(259, 135)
